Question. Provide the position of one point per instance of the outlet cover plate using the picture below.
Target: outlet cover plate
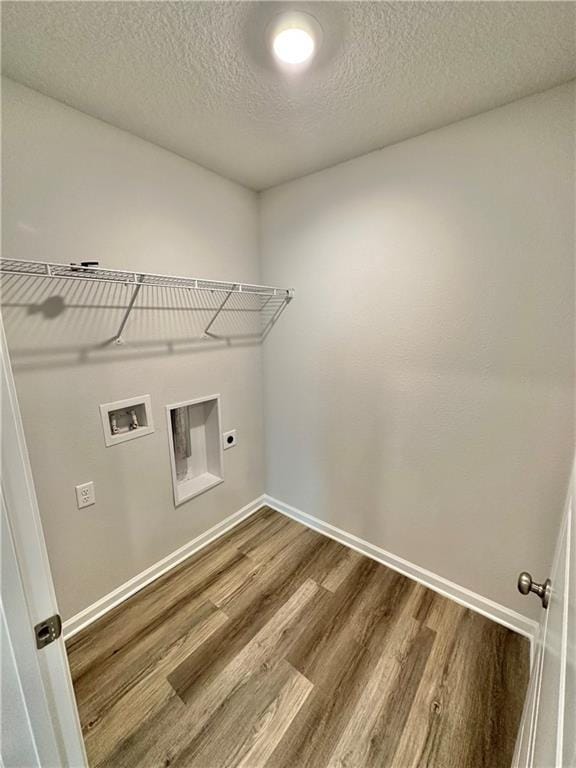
(85, 495)
(229, 439)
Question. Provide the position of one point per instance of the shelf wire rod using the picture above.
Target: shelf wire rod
(268, 300)
(20, 268)
(274, 318)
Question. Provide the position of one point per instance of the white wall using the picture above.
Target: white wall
(76, 189)
(419, 392)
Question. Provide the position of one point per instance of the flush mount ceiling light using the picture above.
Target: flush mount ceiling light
(293, 46)
(294, 39)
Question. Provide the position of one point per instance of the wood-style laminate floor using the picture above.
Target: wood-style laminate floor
(276, 646)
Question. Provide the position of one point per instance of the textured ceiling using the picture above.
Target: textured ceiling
(196, 77)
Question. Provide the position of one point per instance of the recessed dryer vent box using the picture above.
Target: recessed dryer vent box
(195, 446)
(126, 419)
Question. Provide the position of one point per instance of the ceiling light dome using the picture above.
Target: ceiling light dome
(295, 38)
(293, 45)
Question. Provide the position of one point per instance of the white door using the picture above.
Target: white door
(548, 732)
(40, 725)
(28, 738)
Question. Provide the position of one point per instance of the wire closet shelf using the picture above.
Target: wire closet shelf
(271, 300)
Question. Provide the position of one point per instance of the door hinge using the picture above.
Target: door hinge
(48, 631)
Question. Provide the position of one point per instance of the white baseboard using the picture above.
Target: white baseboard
(461, 595)
(73, 625)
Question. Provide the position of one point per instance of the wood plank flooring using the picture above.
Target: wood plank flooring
(276, 646)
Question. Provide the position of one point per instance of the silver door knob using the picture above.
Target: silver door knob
(526, 585)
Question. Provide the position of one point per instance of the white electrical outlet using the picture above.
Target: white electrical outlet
(229, 439)
(85, 495)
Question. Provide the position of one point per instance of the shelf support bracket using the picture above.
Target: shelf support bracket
(118, 338)
(220, 308)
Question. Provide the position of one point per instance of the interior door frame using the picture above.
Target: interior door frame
(524, 756)
(27, 535)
